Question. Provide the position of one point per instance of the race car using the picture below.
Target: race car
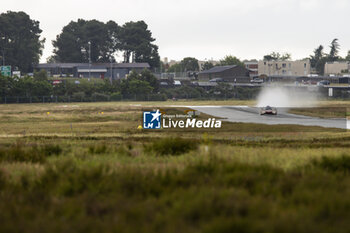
(268, 110)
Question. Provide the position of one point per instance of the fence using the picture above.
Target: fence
(238, 94)
(107, 98)
(68, 99)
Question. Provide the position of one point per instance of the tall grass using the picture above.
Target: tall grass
(171, 146)
(20, 152)
(216, 195)
(230, 180)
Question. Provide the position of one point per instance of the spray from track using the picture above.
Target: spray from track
(283, 97)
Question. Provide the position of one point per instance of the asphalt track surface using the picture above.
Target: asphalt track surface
(247, 114)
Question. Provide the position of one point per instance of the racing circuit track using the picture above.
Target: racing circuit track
(247, 114)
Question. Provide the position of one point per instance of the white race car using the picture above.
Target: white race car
(268, 110)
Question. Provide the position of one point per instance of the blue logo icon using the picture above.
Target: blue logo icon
(151, 120)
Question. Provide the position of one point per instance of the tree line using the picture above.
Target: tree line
(192, 64)
(85, 40)
(317, 60)
(319, 57)
(79, 41)
(142, 86)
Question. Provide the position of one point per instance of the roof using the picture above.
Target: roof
(207, 84)
(105, 65)
(61, 65)
(251, 63)
(217, 69)
(132, 65)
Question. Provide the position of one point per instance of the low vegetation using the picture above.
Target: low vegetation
(171, 146)
(88, 168)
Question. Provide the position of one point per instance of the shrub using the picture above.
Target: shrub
(2, 179)
(117, 96)
(78, 96)
(18, 153)
(97, 149)
(33, 154)
(158, 97)
(171, 146)
(100, 97)
(341, 164)
(52, 149)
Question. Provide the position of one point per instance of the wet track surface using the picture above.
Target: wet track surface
(247, 114)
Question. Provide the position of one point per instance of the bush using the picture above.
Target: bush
(40, 75)
(158, 97)
(341, 164)
(117, 96)
(97, 149)
(18, 153)
(63, 99)
(33, 154)
(171, 146)
(78, 96)
(100, 97)
(52, 149)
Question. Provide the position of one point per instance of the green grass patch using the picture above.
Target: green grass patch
(322, 112)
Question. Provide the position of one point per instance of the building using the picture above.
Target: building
(284, 68)
(98, 70)
(336, 68)
(252, 66)
(201, 63)
(232, 74)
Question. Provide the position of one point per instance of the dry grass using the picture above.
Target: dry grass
(110, 176)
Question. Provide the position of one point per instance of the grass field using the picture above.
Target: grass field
(86, 167)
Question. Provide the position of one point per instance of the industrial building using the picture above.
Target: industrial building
(234, 74)
(98, 70)
(252, 66)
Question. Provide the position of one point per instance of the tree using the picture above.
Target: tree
(347, 58)
(189, 64)
(40, 76)
(6, 84)
(286, 56)
(231, 60)
(333, 54)
(318, 60)
(275, 56)
(20, 41)
(136, 42)
(175, 68)
(139, 84)
(318, 55)
(72, 45)
(139, 87)
(207, 65)
(28, 86)
(147, 75)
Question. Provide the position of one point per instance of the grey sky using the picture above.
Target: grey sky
(207, 29)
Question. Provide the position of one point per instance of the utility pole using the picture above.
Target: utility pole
(111, 77)
(3, 55)
(89, 60)
(3, 49)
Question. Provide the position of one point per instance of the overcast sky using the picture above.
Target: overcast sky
(207, 29)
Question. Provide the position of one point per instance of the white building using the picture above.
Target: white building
(336, 68)
(284, 68)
